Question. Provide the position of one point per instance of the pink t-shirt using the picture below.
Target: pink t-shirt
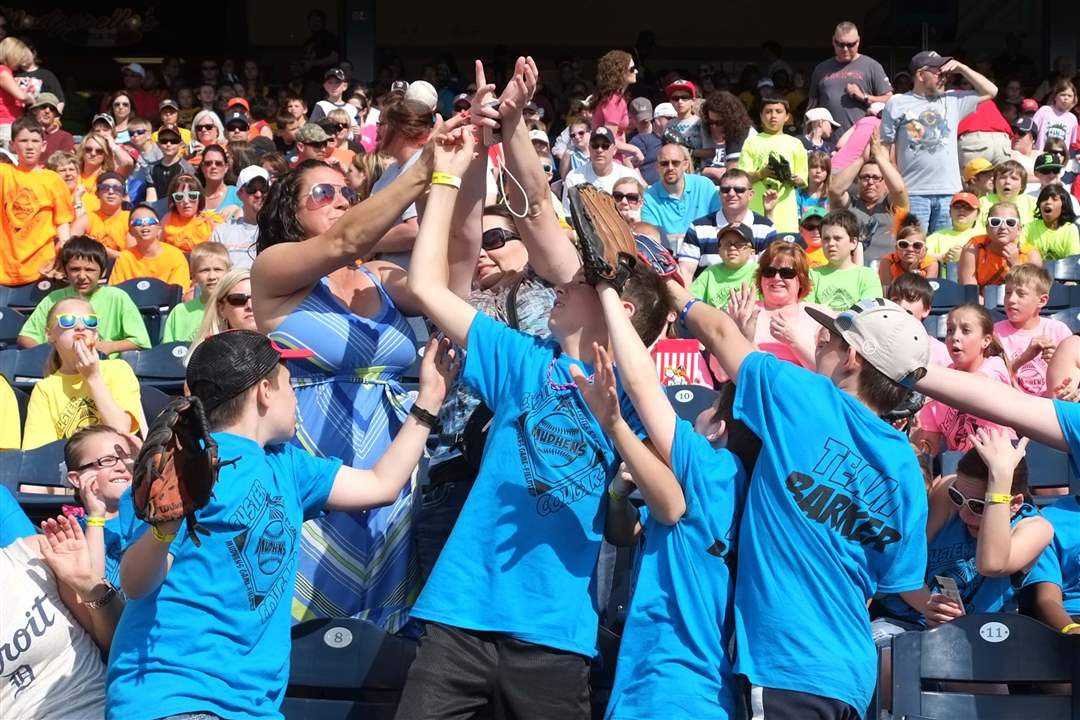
(1031, 376)
(857, 141)
(10, 108)
(957, 427)
(612, 112)
(1053, 124)
(939, 354)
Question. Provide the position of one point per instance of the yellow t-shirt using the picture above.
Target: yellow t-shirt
(941, 242)
(1024, 203)
(110, 231)
(10, 432)
(35, 203)
(755, 156)
(60, 405)
(169, 265)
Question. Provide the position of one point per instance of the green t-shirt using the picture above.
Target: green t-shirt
(118, 316)
(840, 289)
(755, 156)
(184, 321)
(716, 282)
(943, 241)
(1053, 244)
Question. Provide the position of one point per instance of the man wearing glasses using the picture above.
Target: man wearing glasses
(879, 193)
(922, 126)
(602, 171)
(252, 187)
(848, 82)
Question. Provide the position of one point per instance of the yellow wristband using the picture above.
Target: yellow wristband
(95, 522)
(441, 178)
(1070, 626)
(998, 498)
(615, 494)
(160, 536)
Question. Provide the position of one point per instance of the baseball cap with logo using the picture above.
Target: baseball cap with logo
(928, 59)
(227, 364)
(105, 118)
(312, 133)
(641, 109)
(602, 133)
(812, 211)
(1048, 162)
(1025, 126)
(335, 73)
(976, 166)
(237, 117)
(664, 110)
(681, 86)
(887, 337)
(168, 103)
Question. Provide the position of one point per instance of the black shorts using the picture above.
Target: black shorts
(763, 703)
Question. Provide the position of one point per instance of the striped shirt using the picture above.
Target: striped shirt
(700, 243)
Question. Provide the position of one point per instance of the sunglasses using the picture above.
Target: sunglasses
(318, 145)
(629, 197)
(728, 189)
(600, 145)
(669, 163)
(205, 128)
(904, 245)
(106, 462)
(66, 321)
(739, 245)
(811, 225)
(190, 195)
(213, 163)
(959, 499)
(258, 185)
(785, 273)
(147, 221)
(679, 98)
(236, 128)
(110, 189)
(93, 152)
(580, 133)
(323, 194)
(996, 222)
(495, 238)
(237, 299)
(121, 104)
(138, 132)
(845, 45)
(337, 127)
(168, 141)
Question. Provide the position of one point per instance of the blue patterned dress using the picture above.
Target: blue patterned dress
(350, 404)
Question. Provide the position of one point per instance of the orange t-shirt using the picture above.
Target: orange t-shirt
(897, 269)
(111, 231)
(186, 233)
(35, 203)
(345, 157)
(990, 268)
(168, 265)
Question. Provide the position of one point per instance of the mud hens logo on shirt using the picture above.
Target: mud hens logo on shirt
(24, 206)
(562, 459)
(849, 495)
(263, 551)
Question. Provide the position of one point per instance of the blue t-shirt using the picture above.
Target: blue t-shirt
(215, 635)
(673, 660)
(836, 512)
(521, 558)
(13, 521)
(229, 199)
(951, 554)
(675, 214)
(1059, 563)
(649, 144)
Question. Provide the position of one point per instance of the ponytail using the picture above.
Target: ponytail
(986, 323)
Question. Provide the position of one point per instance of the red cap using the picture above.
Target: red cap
(683, 85)
(1029, 105)
(233, 102)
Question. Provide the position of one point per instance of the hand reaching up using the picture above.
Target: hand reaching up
(600, 393)
(438, 370)
(64, 549)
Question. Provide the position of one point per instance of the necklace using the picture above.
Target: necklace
(562, 386)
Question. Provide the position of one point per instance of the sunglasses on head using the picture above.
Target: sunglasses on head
(237, 299)
(495, 238)
(181, 196)
(914, 245)
(785, 273)
(323, 194)
(631, 197)
(959, 499)
(106, 462)
(996, 222)
(66, 321)
(737, 189)
(147, 221)
(205, 128)
(110, 189)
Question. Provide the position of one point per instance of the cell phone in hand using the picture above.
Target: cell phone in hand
(949, 589)
(492, 136)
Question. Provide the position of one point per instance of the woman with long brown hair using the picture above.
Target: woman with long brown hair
(615, 73)
(728, 126)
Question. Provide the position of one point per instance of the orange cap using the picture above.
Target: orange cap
(967, 198)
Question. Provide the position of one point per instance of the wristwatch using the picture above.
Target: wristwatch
(109, 595)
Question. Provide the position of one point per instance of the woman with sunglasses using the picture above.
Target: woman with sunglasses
(986, 259)
(227, 308)
(79, 389)
(909, 256)
(629, 194)
(615, 73)
(206, 129)
(217, 178)
(94, 157)
(120, 108)
(982, 534)
(188, 223)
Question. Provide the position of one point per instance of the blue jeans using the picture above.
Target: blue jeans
(932, 211)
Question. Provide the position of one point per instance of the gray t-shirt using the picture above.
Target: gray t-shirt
(924, 133)
(828, 88)
(875, 227)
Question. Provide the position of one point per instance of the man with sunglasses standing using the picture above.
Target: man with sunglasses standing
(239, 236)
(922, 126)
(602, 171)
(847, 83)
(673, 202)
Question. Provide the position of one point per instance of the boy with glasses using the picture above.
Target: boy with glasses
(149, 257)
(763, 152)
(159, 175)
(737, 267)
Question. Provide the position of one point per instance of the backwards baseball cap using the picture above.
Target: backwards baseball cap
(1025, 126)
(424, 93)
(105, 118)
(641, 109)
(739, 229)
(976, 166)
(890, 339)
(227, 364)
(928, 59)
(965, 198)
(46, 99)
(462, 101)
(312, 133)
(602, 133)
(168, 103)
(250, 173)
(539, 136)
(1047, 161)
(820, 113)
(664, 110)
(681, 86)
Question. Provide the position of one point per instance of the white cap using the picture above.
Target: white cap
(134, 69)
(664, 110)
(820, 113)
(539, 136)
(876, 107)
(250, 173)
(890, 339)
(422, 92)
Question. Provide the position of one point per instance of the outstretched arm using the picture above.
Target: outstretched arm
(879, 153)
(713, 328)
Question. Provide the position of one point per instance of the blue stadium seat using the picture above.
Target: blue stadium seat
(11, 322)
(998, 648)
(154, 298)
(44, 467)
(1069, 316)
(690, 400)
(1067, 269)
(1047, 467)
(948, 294)
(23, 401)
(948, 461)
(161, 366)
(937, 325)
(27, 367)
(26, 297)
(345, 668)
(153, 401)
(1061, 297)
(951, 271)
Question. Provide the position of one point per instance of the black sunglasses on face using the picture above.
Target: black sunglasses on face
(495, 238)
(258, 185)
(845, 45)
(785, 273)
(629, 197)
(237, 299)
(600, 145)
(338, 127)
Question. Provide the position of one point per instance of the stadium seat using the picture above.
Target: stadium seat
(998, 649)
(948, 461)
(24, 368)
(937, 325)
(25, 298)
(154, 298)
(345, 668)
(153, 401)
(11, 322)
(948, 294)
(1061, 297)
(44, 467)
(1067, 269)
(161, 366)
(23, 401)
(1069, 316)
(690, 400)
(1047, 467)
(951, 271)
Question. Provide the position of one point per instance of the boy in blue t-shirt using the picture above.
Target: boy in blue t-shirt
(836, 509)
(674, 658)
(510, 605)
(206, 628)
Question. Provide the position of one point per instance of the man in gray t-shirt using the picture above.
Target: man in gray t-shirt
(848, 82)
(921, 126)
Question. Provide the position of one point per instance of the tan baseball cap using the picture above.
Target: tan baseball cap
(890, 339)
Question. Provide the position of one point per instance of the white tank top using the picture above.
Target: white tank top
(49, 665)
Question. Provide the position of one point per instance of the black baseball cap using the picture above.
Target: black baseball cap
(169, 132)
(227, 364)
(1047, 161)
(743, 231)
(335, 73)
(235, 117)
(928, 59)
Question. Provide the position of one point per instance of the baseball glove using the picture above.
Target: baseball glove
(657, 257)
(781, 170)
(177, 467)
(606, 242)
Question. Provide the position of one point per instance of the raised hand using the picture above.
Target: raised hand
(744, 310)
(940, 610)
(65, 551)
(438, 370)
(453, 146)
(996, 450)
(600, 394)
